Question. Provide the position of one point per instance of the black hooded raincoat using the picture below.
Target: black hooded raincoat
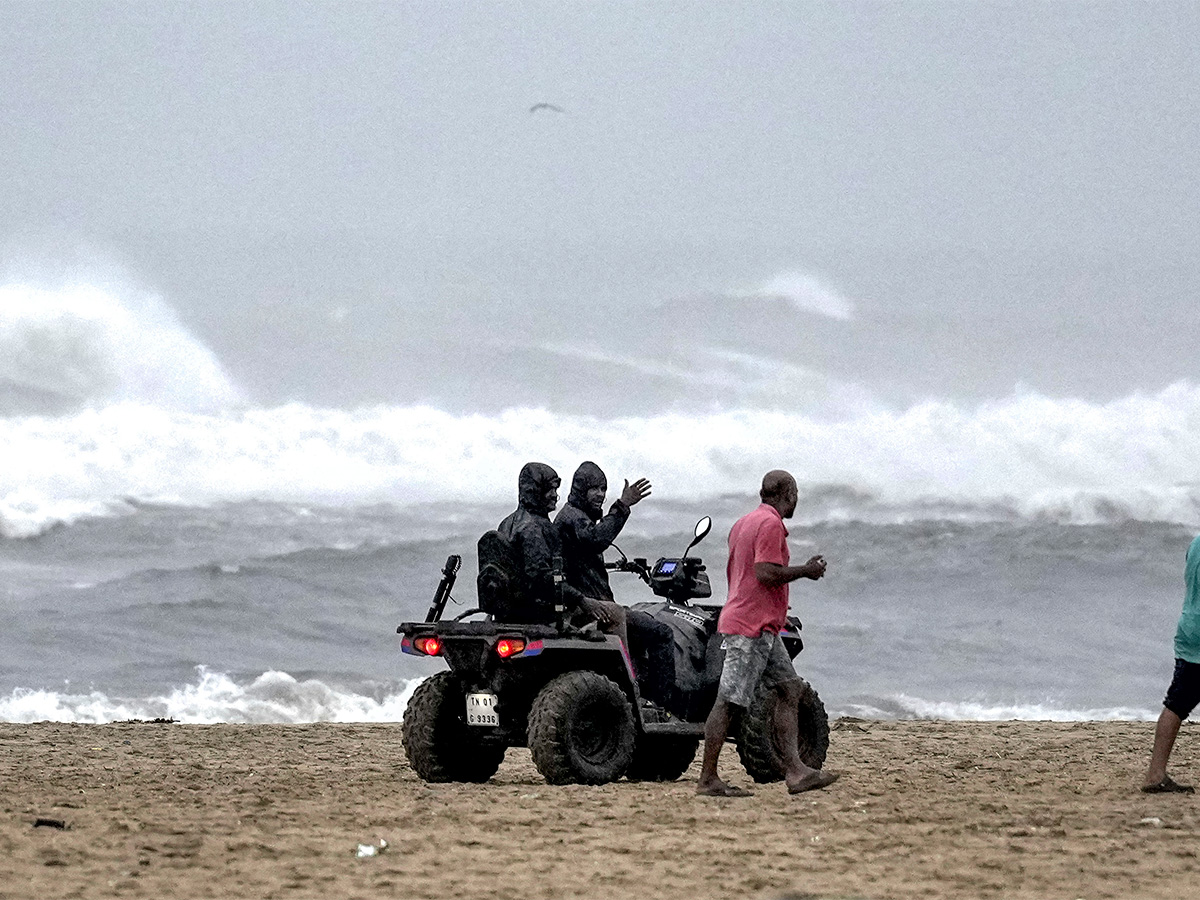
(586, 534)
(535, 542)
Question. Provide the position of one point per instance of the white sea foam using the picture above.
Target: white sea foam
(903, 706)
(807, 292)
(755, 381)
(273, 697)
(1026, 456)
(279, 698)
(155, 419)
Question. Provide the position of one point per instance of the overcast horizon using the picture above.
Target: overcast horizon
(354, 203)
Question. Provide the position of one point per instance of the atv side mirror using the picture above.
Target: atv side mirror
(703, 527)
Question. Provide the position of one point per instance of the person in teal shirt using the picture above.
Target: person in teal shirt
(1184, 692)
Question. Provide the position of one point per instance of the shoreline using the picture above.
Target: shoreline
(924, 808)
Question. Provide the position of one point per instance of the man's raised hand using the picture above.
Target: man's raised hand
(633, 493)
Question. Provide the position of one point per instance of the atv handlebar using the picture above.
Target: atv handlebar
(638, 567)
(679, 579)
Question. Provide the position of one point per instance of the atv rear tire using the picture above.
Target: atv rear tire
(581, 730)
(756, 734)
(659, 757)
(436, 737)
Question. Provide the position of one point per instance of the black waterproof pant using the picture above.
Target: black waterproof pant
(652, 646)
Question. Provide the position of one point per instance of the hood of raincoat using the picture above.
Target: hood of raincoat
(587, 476)
(532, 484)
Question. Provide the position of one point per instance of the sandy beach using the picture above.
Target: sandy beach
(924, 809)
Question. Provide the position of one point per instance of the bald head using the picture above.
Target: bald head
(779, 490)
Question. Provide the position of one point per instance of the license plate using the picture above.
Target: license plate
(481, 709)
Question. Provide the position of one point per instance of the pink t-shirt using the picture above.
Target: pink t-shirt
(752, 607)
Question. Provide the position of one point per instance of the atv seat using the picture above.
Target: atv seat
(489, 629)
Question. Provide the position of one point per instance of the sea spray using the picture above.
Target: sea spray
(279, 698)
(84, 345)
(273, 697)
(1028, 457)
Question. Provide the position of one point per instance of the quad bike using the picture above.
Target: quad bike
(571, 696)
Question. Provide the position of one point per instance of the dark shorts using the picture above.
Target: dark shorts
(1184, 692)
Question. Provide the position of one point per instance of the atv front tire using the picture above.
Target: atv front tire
(436, 737)
(581, 730)
(661, 757)
(755, 735)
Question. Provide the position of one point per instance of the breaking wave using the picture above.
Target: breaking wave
(271, 698)
(107, 402)
(806, 292)
(1024, 457)
(86, 345)
(279, 698)
(902, 706)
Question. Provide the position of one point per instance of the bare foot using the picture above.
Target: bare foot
(719, 788)
(1168, 785)
(813, 781)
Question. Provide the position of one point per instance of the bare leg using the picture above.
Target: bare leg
(787, 732)
(716, 729)
(1164, 742)
(798, 776)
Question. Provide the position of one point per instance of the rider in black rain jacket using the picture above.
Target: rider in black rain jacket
(536, 541)
(586, 534)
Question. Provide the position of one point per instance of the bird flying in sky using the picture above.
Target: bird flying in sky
(547, 106)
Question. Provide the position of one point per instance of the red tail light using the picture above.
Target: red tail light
(428, 645)
(506, 647)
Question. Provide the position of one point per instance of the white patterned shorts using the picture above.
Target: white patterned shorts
(750, 661)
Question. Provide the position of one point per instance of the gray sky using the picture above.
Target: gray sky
(335, 195)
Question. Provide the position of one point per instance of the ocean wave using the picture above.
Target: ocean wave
(1027, 457)
(807, 292)
(279, 698)
(83, 344)
(271, 698)
(903, 706)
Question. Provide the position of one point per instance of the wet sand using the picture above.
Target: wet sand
(923, 809)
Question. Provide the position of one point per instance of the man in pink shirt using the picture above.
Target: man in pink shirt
(755, 612)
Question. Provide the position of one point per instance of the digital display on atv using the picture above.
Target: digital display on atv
(666, 567)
